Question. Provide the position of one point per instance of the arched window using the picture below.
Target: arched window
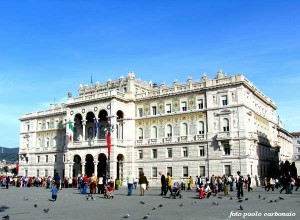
(47, 142)
(169, 131)
(184, 129)
(140, 134)
(39, 144)
(154, 132)
(201, 127)
(225, 124)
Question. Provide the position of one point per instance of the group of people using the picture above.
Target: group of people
(286, 181)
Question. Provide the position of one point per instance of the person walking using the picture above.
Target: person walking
(169, 183)
(249, 183)
(163, 184)
(54, 191)
(130, 181)
(143, 183)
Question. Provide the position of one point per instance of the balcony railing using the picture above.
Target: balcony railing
(224, 135)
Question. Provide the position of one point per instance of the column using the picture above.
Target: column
(95, 168)
(83, 129)
(83, 168)
(98, 129)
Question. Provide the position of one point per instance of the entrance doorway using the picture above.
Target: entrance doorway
(102, 165)
(120, 160)
(89, 165)
(77, 165)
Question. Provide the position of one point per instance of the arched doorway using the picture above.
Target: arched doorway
(77, 165)
(119, 126)
(102, 164)
(89, 165)
(120, 160)
(90, 126)
(78, 128)
(103, 121)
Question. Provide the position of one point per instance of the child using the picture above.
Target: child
(54, 191)
(201, 192)
(216, 189)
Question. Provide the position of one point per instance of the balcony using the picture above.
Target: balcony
(199, 137)
(152, 141)
(183, 138)
(226, 135)
(89, 143)
(253, 136)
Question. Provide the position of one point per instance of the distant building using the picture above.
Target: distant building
(296, 145)
(211, 126)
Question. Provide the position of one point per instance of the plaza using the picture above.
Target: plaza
(72, 205)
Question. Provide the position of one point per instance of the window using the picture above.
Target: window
(169, 131)
(184, 129)
(200, 104)
(46, 158)
(201, 151)
(168, 108)
(202, 170)
(140, 133)
(37, 172)
(26, 172)
(38, 159)
(140, 112)
(154, 132)
(185, 152)
(298, 142)
(48, 125)
(184, 106)
(201, 127)
(169, 170)
(46, 172)
(154, 172)
(169, 152)
(154, 153)
(28, 127)
(185, 172)
(225, 124)
(64, 158)
(47, 142)
(140, 154)
(55, 158)
(154, 110)
(227, 169)
(224, 100)
(226, 149)
(141, 170)
(298, 149)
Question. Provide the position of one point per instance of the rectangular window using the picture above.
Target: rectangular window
(140, 154)
(26, 172)
(169, 170)
(154, 172)
(224, 100)
(141, 170)
(227, 169)
(38, 159)
(202, 170)
(226, 149)
(184, 106)
(46, 172)
(168, 108)
(185, 172)
(200, 104)
(154, 110)
(37, 172)
(298, 149)
(140, 112)
(201, 151)
(64, 158)
(169, 152)
(46, 160)
(154, 153)
(55, 158)
(185, 152)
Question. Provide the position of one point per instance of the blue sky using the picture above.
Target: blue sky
(48, 47)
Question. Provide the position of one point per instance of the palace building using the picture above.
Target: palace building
(210, 126)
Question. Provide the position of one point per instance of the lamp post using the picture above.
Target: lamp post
(109, 129)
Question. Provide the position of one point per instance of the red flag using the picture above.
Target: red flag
(108, 142)
(17, 167)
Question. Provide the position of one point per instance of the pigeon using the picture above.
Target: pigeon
(259, 196)
(240, 200)
(220, 197)
(246, 199)
(241, 207)
(25, 198)
(281, 198)
(194, 203)
(181, 205)
(46, 210)
(127, 215)
(275, 200)
(160, 205)
(141, 202)
(146, 216)
(35, 205)
(270, 201)
(215, 203)
(87, 198)
(153, 208)
(264, 198)
(230, 198)
(5, 217)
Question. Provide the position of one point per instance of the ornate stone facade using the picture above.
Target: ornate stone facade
(206, 127)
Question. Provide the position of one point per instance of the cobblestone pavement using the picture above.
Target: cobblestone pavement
(72, 205)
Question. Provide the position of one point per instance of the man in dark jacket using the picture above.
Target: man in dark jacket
(163, 184)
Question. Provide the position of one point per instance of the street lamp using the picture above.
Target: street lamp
(108, 129)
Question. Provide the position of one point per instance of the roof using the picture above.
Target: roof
(295, 134)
